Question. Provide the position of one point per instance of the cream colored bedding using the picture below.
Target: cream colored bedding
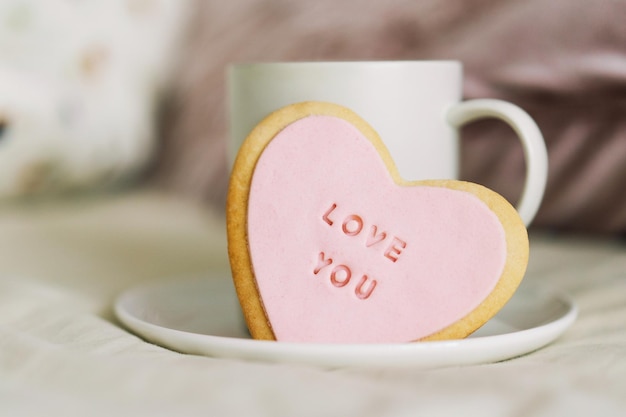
(62, 353)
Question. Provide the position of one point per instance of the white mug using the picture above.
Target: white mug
(415, 106)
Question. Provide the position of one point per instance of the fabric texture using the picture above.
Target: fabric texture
(62, 353)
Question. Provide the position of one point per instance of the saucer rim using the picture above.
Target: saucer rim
(427, 354)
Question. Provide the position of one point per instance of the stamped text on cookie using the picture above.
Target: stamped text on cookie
(340, 275)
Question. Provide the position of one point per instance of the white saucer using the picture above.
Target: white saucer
(202, 316)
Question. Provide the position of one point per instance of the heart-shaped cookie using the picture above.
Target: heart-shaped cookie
(328, 244)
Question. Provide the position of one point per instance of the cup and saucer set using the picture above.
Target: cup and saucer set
(351, 241)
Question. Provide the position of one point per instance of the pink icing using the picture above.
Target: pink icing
(341, 253)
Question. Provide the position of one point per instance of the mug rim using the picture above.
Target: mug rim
(327, 64)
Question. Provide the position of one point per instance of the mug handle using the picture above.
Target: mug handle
(532, 142)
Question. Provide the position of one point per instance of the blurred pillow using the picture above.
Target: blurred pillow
(78, 88)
